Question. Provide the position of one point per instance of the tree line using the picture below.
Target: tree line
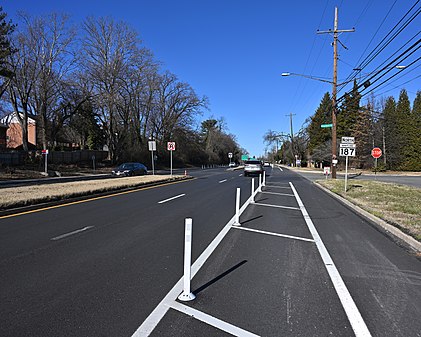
(392, 125)
(97, 85)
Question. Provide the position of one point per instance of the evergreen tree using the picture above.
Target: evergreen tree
(391, 134)
(416, 114)
(362, 133)
(406, 134)
(323, 115)
(348, 113)
(413, 148)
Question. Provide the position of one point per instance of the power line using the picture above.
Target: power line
(383, 43)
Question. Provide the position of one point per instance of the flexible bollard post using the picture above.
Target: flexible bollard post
(264, 178)
(187, 295)
(237, 208)
(260, 183)
(252, 190)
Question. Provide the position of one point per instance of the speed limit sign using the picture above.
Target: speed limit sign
(171, 146)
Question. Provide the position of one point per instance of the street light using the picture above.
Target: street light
(307, 76)
(333, 160)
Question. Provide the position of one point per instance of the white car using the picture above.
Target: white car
(253, 167)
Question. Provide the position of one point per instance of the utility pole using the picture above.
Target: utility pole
(292, 136)
(335, 79)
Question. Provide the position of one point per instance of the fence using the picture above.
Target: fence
(54, 157)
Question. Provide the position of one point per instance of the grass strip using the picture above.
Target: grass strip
(398, 205)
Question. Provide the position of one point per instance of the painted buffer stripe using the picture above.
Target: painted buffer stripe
(208, 319)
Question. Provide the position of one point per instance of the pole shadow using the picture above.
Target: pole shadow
(216, 279)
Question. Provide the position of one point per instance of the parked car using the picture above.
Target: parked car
(232, 164)
(266, 164)
(253, 167)
(130, 169)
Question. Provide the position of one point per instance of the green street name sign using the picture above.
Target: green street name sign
(326, 125)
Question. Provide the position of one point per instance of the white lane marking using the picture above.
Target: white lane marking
(169, 199)
(274, 186)
(274, 234)
(161, 309)
(276, 206)
(222, 181)
(351, 310)
(71, 233)
(240, 175)
(283, 194)
(213, 321)
(281, 169)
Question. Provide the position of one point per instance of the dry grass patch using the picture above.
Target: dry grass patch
(27, 195)
(397, 204)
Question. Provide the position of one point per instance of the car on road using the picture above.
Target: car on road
(232, 164)
(266, 164)
(253, 167)
(130, 169)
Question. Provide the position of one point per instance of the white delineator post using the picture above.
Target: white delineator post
(187, 295)
(264, 178)
(252, 190)
(237, 209)
(260, 183)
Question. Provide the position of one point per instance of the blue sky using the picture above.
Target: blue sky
(233, 51)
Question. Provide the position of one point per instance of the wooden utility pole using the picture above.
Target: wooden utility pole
(334, 84)
(292, 136)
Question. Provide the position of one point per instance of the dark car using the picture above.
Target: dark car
(130, 169)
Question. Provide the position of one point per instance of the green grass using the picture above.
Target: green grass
(397, 204)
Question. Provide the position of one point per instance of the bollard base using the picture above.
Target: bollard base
(186, 297)
(236, 224)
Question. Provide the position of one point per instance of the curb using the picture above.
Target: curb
(389, 229)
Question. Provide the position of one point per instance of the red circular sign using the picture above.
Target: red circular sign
(376, 152)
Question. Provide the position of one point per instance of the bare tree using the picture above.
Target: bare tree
(41, 63)
(177, 105)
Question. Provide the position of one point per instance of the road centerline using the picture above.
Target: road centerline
(172, 198)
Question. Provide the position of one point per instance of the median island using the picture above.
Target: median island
(35, 194)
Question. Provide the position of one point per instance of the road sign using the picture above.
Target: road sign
(152, 145)
(171, 146)
(244, 157)
(230, 155)
(44, 151)
(348, 145)
(348, 140)
(326, 125)
(376, 152)
(347, 151)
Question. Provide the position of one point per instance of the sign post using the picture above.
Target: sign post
(45, 153)
(347, 149)
(376, 153)
(152, 148)
(230, 156)
(171, 148)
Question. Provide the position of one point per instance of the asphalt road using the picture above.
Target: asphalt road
(101, 267)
